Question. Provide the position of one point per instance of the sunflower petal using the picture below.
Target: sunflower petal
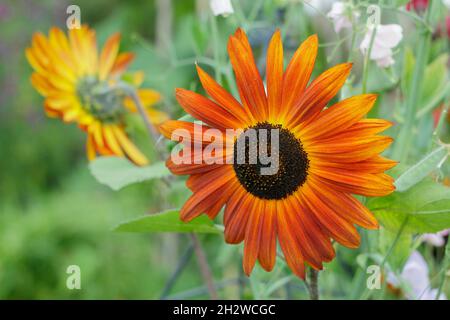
(340, 145)
(252, 239)
(319, 93)
(349, 151)
(364, 127)
(203, 199)
(339, 117)
(376, 164)
(41, 84)
(192, 168)
(250, 84)
(288, 244)
(130, 149)
(346, 206)
(236, 216)
(206, 110)
(108, 56)
(90, 148)
(121, 63)
(299, 71)
(227, 192)
(274, 74)
(111, 140)
(366, 184)
(222, 97)
(268, 239)
(305, 244)
(338, 228)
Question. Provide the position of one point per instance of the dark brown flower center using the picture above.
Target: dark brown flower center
(291, 168)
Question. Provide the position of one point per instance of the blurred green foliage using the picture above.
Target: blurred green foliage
(54, 214)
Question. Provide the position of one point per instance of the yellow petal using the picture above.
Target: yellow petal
(90, 148)
(111, 141)
(148, 97)
(108, 55)
(130, 149)
(156, 116)
(41, 84)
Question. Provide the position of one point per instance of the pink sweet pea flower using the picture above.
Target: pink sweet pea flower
(386, 38)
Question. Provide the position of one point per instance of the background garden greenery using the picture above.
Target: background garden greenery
(53, 212)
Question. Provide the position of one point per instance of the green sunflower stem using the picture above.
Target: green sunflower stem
(313, 284)
(150, 128)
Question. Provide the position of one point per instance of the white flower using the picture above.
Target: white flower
(447, 3)
(436, 239)
(415, 277)
(386, 38)
(221, 7)
(340, 14)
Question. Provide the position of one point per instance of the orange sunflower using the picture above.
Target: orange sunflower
(325, 156)
(77, 84)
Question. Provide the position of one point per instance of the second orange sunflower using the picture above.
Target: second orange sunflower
(73, 76)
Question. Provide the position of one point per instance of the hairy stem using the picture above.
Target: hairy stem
(150, 128)
(178, 270)
(313, 284)
(204, 267)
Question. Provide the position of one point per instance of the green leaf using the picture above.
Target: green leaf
(168, 221)
(380, 80)
(400, 252)
(426, 205)
(434, 84)
(117, 172)
(434, 101)
(421, 169)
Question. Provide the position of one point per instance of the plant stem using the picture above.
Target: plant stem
(163, 23)
(313, 284)
(204, 267)
(445, 266)
(394, 243)
(179, 269)
(366, 292)
(367, 60)
(150, 128)
(405, 137)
